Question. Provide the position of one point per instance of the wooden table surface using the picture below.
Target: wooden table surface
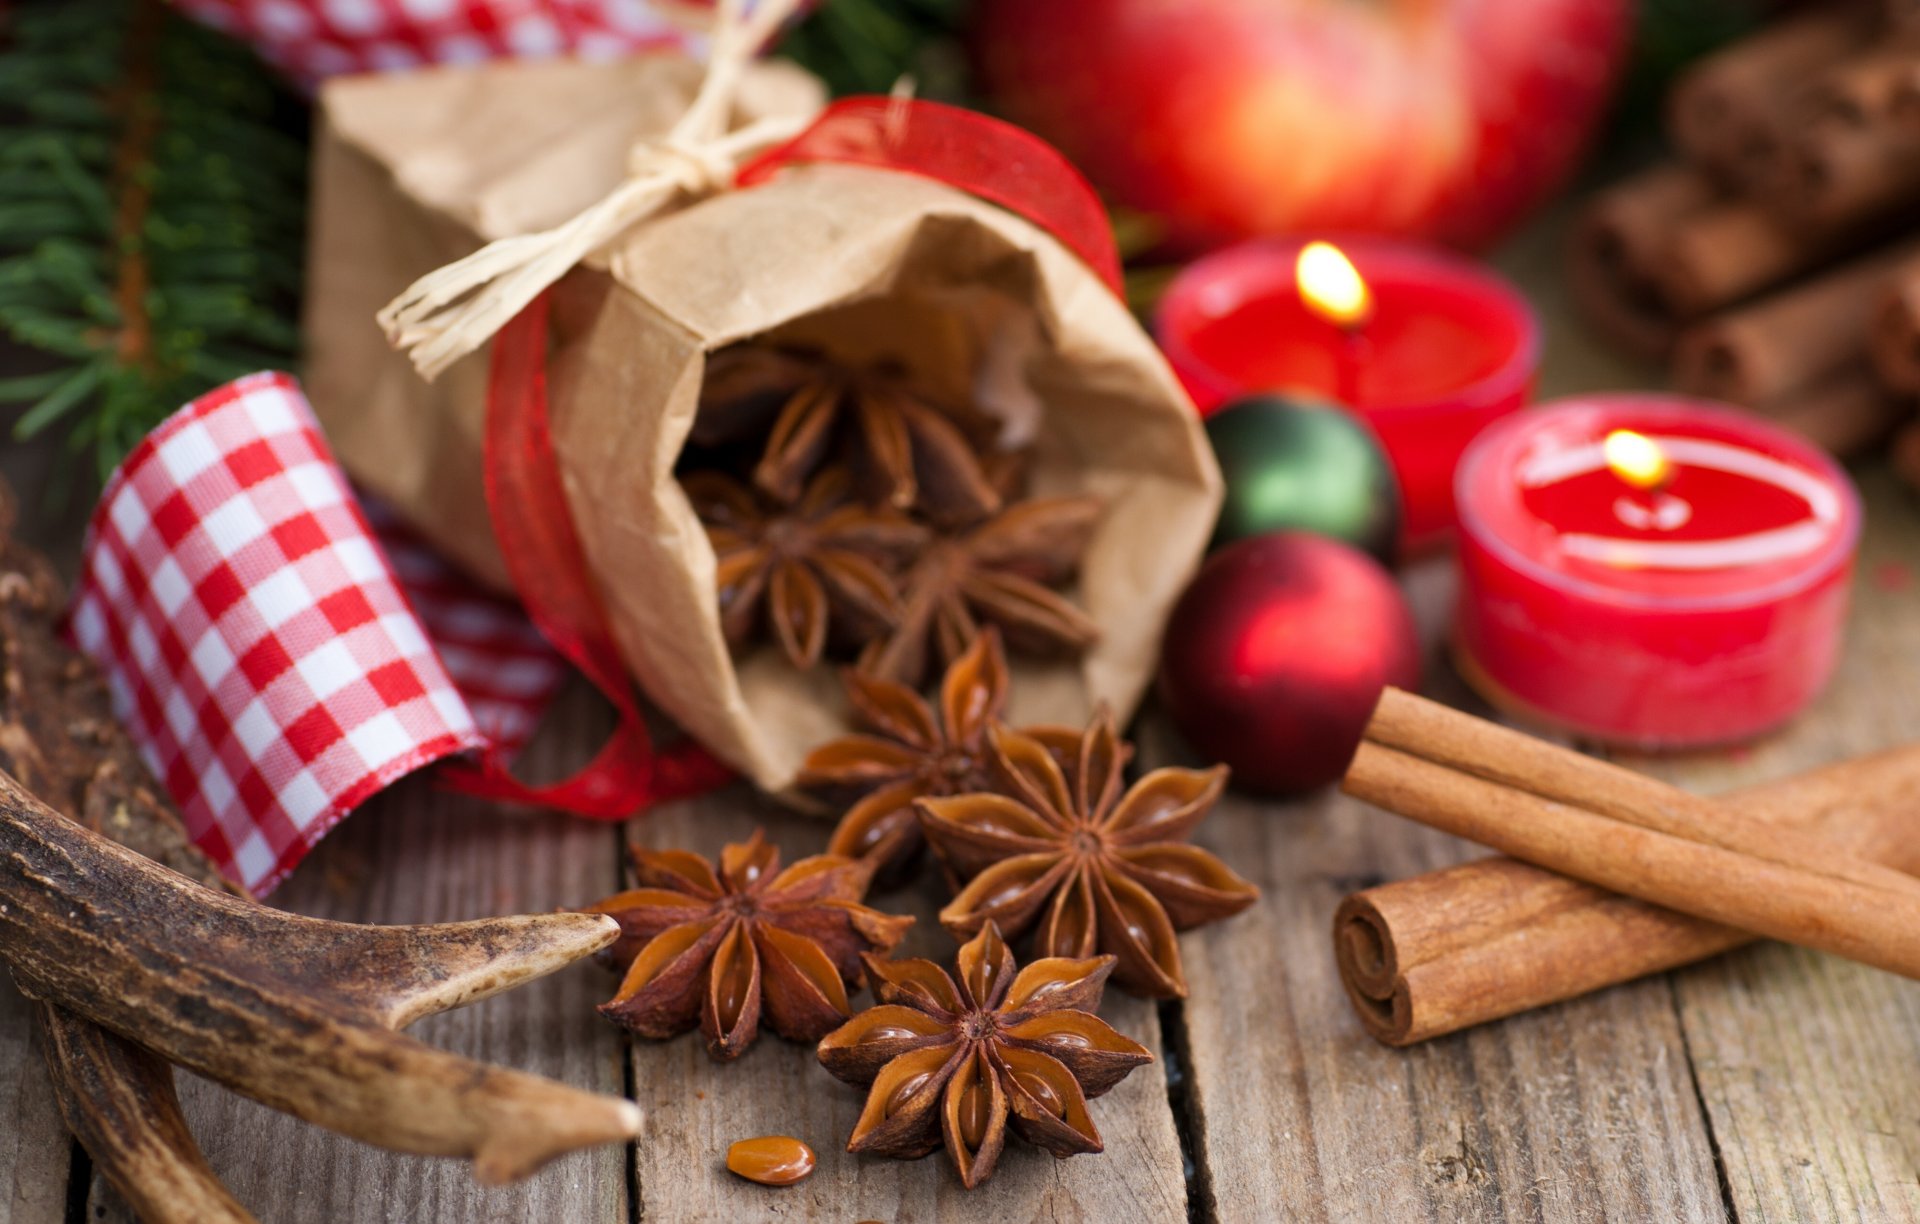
(1771, 1084)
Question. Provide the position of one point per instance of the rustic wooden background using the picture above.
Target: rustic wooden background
(1771, 1084)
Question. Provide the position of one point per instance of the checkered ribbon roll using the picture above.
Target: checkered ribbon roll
(310, 40)
(260, 644)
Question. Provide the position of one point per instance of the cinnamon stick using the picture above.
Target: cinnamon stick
(1860, 91)
(1903, 456)
(1791, 339)
(1895, 342)
(1721, 255)
(1723, 113)
(1903, 108)
(1616, 251)
(1846, 413)
(1629, 834)
(1834, 173)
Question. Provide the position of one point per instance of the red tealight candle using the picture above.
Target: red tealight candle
(1432, 350)
(1651, 571)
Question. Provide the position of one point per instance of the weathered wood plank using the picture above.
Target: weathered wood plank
(1809, 1065)
(34, 1147)
(419, 855)
(698, 1108)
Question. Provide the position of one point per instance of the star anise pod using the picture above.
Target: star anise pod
(906, 752)
(823, 563)
(910, 452)
(1000, 572)
(957, 1061)
(1096, 865)
(724, 949)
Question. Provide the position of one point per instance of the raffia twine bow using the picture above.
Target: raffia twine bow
(453, 311)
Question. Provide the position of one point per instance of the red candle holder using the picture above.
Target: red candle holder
(1449, 348)
(1692, 595)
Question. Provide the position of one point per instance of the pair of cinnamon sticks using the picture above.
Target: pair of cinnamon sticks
(1669, 878)
(1760, 262)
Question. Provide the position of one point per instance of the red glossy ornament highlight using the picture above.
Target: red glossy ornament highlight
(1277, 652)
(1446, 349)
(1652, 571)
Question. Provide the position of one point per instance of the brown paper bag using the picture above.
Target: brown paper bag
(413, 171)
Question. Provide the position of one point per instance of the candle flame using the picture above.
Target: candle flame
(1331, 286)
(1637, 459)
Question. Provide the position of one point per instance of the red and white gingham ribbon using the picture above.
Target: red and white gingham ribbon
(498, 660)
(259, 643)
(310, 40)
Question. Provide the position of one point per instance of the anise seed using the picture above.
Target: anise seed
(771, 1160)
(976, 1107)
(1041, 1091)
(733, 990)
(905, 1091)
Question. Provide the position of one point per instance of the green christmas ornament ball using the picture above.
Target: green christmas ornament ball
(1296, 463)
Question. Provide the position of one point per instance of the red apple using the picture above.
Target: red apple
(1448, 119)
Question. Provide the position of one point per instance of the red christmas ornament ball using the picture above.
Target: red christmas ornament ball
(1276, 654)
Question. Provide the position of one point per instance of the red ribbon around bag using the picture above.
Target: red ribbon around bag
(982, 156)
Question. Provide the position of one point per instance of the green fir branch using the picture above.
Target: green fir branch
(152, 215)
(864, 46)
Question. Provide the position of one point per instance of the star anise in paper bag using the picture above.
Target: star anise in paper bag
(726, 949)
(1000, 572)
(906, 752)
(956, 1062)
(908, 451)
(822, 564)
(1096, 865)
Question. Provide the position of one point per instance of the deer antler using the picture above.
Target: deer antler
(294, 1012)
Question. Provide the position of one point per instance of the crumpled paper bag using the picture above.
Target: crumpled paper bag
(413, 171)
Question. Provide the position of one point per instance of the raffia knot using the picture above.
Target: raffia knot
(699, 169)
(452, 311)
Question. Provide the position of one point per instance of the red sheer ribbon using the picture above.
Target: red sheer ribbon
(979, 155)
(536, 534)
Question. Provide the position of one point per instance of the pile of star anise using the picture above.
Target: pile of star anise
(852, 515)
(1039, 835)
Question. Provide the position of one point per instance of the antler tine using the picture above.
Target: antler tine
(242, 994)
(118, 1100)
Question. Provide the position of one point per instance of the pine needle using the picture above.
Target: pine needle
(152, 209)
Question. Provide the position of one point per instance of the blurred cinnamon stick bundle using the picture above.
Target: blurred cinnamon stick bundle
(1772, 262)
